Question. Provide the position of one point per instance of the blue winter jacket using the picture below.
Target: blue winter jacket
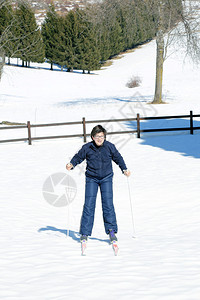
(99, 159)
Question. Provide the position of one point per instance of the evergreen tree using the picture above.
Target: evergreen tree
(126, 19)
(30, 47)
(145, 23)
(111, 38)
(116, 38)
(51, 32)
(88, 55)
(104, 42)
(61, 41)
(72, 31)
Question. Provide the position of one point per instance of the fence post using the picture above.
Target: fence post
(84, 130)
(138, 125)
(191, 122)
(29, 132)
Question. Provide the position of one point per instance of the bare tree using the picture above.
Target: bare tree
(14, 41)
(183, 32)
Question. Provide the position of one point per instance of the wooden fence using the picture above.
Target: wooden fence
(84, 134)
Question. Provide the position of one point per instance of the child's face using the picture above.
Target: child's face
(99, 138)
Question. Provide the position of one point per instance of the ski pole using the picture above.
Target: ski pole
(68, 207)
(130, 200)
(68, 223)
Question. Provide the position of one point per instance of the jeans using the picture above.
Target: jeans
(109, 216)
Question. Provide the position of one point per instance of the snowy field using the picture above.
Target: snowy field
(40, 255)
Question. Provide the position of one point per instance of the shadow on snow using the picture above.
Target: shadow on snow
(56, 68)
(178, 141)
(72, 234)
(136, 99)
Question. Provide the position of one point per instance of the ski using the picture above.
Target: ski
(113, 241)
(83, 247)
(83, 240)
(115, 247)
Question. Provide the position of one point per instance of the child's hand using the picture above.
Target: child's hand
(69, 166)
(127, 173)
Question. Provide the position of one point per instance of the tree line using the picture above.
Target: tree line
(81, 39)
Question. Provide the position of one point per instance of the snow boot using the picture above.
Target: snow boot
(83, 238)
(112, 235)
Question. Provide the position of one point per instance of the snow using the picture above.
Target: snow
(40, 249)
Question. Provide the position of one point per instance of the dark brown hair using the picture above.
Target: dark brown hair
(98, 129)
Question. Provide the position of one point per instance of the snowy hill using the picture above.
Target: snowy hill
(40, 252)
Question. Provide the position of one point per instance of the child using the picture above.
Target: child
(99, 154)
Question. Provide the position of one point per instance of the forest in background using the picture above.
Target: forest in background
(82, 38)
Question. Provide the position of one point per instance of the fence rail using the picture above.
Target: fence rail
(84, 135)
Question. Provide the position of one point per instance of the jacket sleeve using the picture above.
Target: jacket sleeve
(79, 157)
(118, 159)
